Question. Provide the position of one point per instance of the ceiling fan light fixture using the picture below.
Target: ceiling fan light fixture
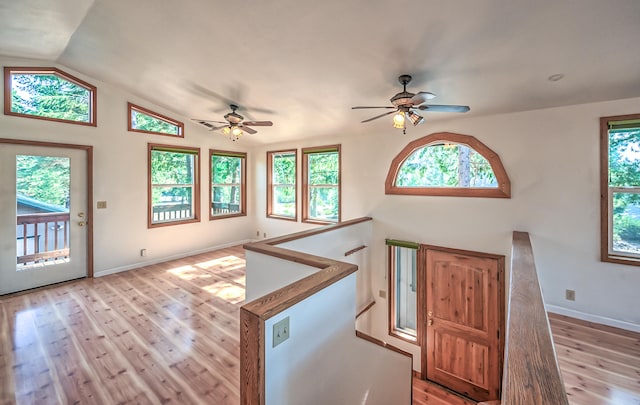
(226, 130)
(398, 120)
(415, 118)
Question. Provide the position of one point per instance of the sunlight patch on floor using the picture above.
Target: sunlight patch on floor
(226, 291)
(188, 272)
(225, 261)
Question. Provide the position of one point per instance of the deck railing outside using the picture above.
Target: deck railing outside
(42, 237)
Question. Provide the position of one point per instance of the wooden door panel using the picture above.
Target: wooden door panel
(462, 349)
(462, 293)
(462, 358)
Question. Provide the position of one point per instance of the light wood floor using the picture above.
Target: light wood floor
(600, 365)
(169, 333)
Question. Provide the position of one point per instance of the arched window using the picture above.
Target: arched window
(448, 164)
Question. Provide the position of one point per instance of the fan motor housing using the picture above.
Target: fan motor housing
(402, 98)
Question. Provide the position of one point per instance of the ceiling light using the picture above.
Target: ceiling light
(398, 120)
(415, 118)
(226, 130)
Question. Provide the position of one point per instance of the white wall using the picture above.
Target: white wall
(265, 274)
(323, 362)
(334, 244)
(552, 159)
(120, 178)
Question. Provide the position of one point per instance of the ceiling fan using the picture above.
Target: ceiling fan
(234, 126)
(404, 104)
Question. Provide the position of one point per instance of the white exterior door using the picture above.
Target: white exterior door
(43, 215)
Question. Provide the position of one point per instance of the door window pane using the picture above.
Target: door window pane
(42, 206)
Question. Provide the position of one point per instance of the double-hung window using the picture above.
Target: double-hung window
(321, 184)
(174, 189)
(403, 285)
(620, 189)
(228, 191)
(281, 184)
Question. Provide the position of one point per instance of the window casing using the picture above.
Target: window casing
(146, 121)
(403, 287)
(620, 189)
(48, 93)
(282, 186)
(174, 185)
(228, 186)
(321, 184)
(448, 164)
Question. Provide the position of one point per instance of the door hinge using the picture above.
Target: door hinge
(498, 334)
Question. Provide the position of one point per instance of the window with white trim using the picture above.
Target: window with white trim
(321, 184)
(174, 189)
(282, 184)
(228, 184)
(620, 189)
(403, 285)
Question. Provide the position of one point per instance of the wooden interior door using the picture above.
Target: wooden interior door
(464, 319)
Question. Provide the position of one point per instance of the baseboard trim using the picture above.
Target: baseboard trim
(120, 269)
(603, 320)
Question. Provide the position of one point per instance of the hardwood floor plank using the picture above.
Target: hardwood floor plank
(169, 333)
(7, 382)
(145, 361)
(158, 334)
(599, 364)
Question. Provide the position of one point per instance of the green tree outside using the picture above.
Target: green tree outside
(48, 95)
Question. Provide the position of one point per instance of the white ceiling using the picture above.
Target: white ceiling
(303, 64)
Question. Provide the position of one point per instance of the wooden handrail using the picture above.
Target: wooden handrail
(254, 313)
(531, 373)
(354, 250)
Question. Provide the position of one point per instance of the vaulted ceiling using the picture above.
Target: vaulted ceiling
(304, 64)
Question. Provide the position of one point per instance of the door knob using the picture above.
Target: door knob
(80, 214)
(81, 223)
(430, 322)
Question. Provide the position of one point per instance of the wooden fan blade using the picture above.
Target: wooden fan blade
(359, 108)
(249, 130)
(258, 123)
(217, 128)
(421, 97)
(380, 116)
(200, 121)
(443, 108)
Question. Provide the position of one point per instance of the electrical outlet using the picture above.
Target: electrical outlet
(258, 234)
(143, 252)
(570, 295)
(382, 294)
(281, 331)
(264, 235)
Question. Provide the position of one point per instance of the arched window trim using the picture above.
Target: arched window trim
(504, 185)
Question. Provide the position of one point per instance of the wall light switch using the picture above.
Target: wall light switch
(281, 331)
(101, 204)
